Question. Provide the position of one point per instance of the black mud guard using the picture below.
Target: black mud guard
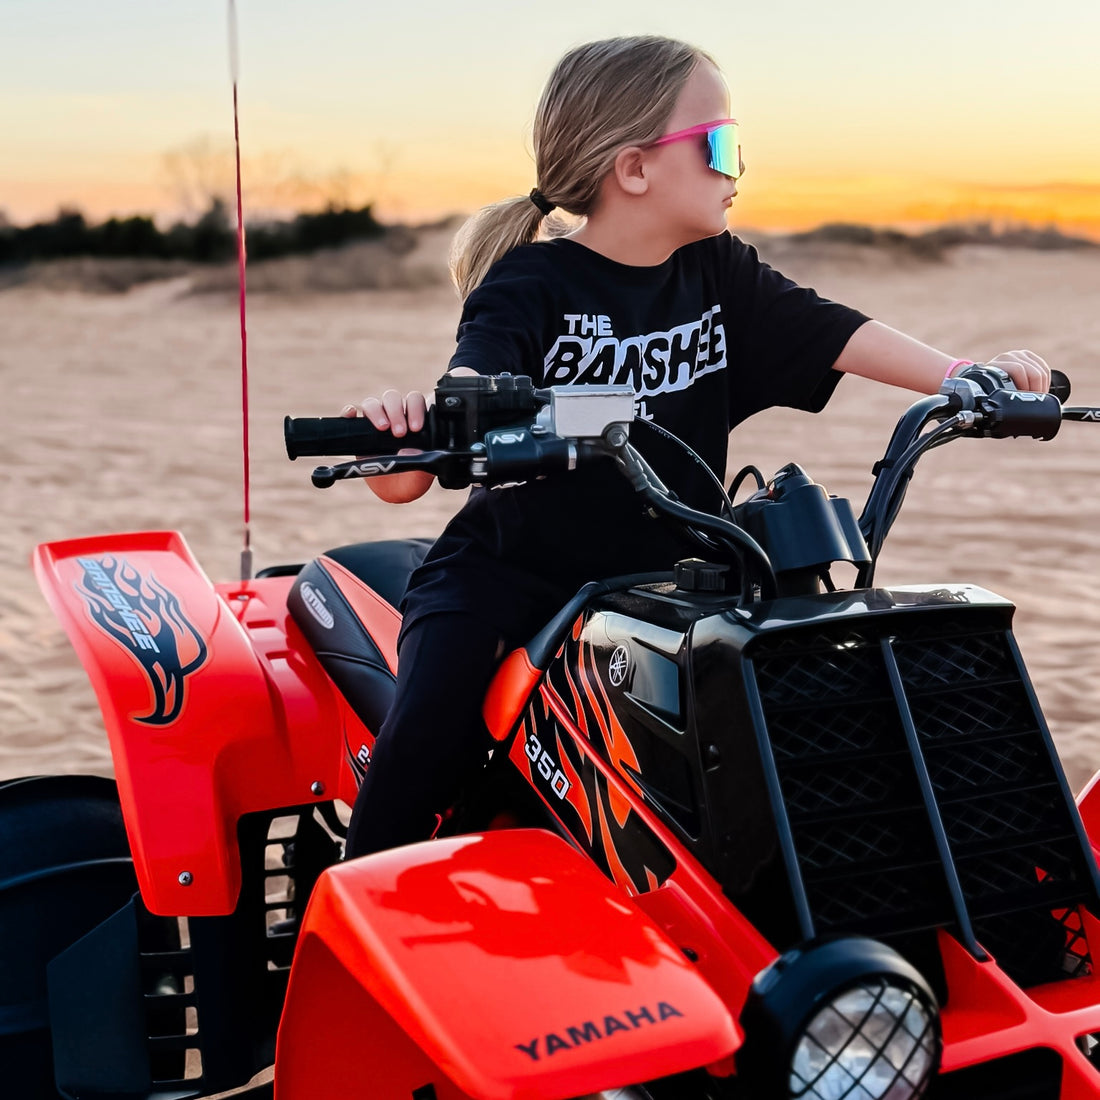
(65, 866)
(96, 1013)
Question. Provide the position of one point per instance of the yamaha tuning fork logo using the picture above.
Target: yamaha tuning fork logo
(618, 667)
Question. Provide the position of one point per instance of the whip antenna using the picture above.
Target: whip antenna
(246, 551)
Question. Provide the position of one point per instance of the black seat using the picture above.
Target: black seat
(338, 636)
(385, 566)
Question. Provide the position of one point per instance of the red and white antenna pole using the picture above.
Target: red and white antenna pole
(246, 551)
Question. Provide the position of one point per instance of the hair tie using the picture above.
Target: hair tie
(541, 201)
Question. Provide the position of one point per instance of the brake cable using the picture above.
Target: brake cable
(899, 473)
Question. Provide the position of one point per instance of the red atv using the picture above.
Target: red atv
(743, 834)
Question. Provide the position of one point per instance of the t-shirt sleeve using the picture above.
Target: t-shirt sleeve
(784, 338)
(503, 320)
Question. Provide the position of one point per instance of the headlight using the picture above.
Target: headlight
(845, 1020)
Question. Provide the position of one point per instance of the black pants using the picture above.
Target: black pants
(434, 738)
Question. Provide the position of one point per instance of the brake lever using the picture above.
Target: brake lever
(439, 463)
(1081, 412)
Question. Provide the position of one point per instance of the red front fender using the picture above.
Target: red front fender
(493, 966)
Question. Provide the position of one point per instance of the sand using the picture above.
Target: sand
(121, 412)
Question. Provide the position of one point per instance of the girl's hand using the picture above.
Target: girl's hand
(1025, 368)
(400, 415)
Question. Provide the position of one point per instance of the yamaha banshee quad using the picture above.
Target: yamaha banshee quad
(743, 833)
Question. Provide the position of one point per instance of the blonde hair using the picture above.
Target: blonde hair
(601, 97)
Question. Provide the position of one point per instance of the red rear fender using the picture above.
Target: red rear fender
(213, 706)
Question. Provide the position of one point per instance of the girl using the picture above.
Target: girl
(633, 136)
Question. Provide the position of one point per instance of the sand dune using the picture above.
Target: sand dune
(121, 412)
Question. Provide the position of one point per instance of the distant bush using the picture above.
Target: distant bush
(311, 232)
(1046, 238)
(931, 243)
(212, 239)
(870, 237)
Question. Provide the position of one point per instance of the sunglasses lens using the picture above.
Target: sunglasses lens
(724, 144)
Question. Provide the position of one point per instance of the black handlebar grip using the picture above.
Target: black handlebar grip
(323, 436)
(1059, 386)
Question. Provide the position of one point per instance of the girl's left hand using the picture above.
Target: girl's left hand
(1025, 368)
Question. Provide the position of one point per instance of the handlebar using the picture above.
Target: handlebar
(343, 435)
(465, 409)
(499, 429)
(980, 401)
(487, 429)
(1059, 386)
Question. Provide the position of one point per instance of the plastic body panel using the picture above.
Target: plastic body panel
(1088, 804)
(988, 1016)
(508, 964)
(606, 812)
(213, 704)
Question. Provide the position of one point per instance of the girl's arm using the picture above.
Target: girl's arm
(877, 351)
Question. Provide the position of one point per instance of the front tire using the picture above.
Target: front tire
(65, 866)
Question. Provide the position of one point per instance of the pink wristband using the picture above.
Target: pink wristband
(957, 363)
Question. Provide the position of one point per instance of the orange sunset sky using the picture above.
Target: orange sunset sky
(882, 112)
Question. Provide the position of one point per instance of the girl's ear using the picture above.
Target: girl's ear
(630, 170)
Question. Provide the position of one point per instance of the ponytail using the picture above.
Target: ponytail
(488, 235)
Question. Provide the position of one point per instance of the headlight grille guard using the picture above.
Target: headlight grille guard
(915, 785)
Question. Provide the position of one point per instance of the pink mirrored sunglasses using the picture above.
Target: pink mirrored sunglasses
(723, 145)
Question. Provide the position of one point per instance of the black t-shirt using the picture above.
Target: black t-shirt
(707, 338)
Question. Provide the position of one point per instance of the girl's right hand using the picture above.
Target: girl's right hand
(399, 415)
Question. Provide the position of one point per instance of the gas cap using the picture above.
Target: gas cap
(696, 575)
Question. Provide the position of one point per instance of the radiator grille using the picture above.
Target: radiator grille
(911, 759)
